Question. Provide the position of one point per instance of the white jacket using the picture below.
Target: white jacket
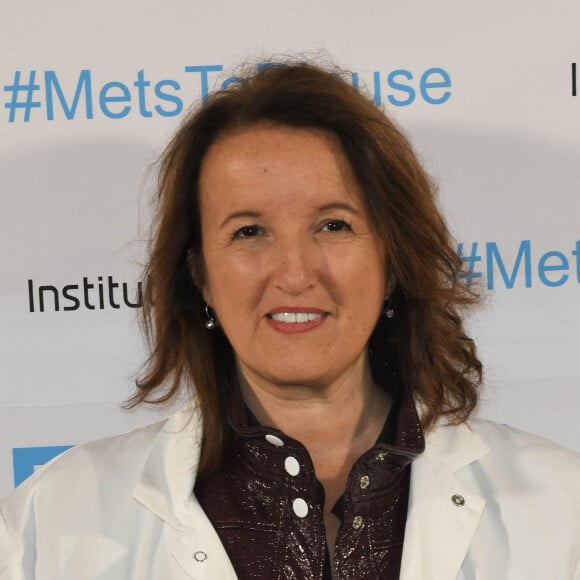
(123, 509)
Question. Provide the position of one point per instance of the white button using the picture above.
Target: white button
(300, 507)
(292, 466)
(200, 556)
(274, 440)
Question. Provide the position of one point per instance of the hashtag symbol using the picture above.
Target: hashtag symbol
(19, 89)
(471, 261)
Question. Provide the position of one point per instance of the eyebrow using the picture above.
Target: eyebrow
(241, 214)
(338, 205)
(256, 214)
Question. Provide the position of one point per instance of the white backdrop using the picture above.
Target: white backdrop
(90, 93)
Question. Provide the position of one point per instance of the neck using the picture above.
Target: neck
(346, 414)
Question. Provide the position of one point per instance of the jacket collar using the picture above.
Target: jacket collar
(165, 484)
(444, 513)
(165, 487)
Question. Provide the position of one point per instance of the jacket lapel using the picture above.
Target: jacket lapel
(444, 513)
(165, 487)
(166, 482)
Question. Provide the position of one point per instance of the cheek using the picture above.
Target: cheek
(232, 279)
(361, 274)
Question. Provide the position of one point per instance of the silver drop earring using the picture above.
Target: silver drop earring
(211, 322)
(388, 310)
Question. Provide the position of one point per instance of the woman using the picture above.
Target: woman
(302, 277)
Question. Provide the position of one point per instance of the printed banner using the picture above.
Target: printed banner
(90, 95)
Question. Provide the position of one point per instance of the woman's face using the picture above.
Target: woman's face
(293, 268)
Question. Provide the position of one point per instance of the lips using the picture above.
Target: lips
(294, 319)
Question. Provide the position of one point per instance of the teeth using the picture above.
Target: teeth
(293, 317)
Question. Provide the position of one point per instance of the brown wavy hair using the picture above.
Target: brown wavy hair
(426, 340)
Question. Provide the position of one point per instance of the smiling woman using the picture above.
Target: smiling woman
(292, 265)
(303, 288)
(322, 138)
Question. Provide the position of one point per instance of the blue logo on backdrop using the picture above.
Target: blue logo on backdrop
(36, 94)
(26, 459)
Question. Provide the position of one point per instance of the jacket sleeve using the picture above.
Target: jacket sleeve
(10, 568)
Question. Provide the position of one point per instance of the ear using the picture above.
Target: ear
(391, 285)
(197, 272)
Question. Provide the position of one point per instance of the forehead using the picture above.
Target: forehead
(276, 157)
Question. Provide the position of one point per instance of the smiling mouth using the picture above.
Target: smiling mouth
(296, 317)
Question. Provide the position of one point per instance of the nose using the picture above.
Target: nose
(296, 266)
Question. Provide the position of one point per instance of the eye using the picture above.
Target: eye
(336, 226)
(247, 232)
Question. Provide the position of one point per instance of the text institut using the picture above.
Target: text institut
(92, 296)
